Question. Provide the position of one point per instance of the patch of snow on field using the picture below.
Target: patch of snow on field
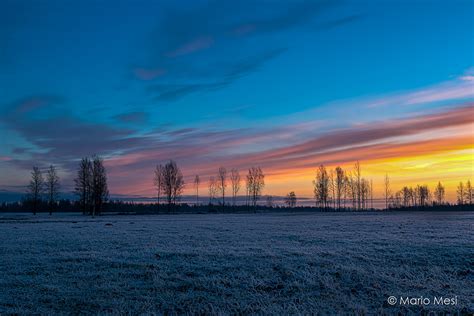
(246, 263)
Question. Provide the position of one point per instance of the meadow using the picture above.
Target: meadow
(285, 263)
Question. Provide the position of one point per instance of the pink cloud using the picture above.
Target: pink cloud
(148, 73)
(196, 44)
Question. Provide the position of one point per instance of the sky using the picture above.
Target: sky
(285, 85)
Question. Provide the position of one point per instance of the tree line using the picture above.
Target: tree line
(337, 189)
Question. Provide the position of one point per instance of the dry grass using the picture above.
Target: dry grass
(234, 264)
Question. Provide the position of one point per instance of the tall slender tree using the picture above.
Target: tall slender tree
(340, 182)
(460, 193)
(35, 188)
(52, 187)
(439, 194)
(255, 184)
(100, 191)
(222, 182)
(173, 183)
(358, 184)
(387, 190)
(197, 181)
(468, 193)
(321, 187)
(290, 199)
(212, 189)
(158, 181)
(235, 182)
(83, 185)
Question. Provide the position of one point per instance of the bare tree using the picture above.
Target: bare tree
(387, 190)
(158, 181)
(197, 181)
(439, 194)
(468, 193)
(321, 187)
(173, 183)
(422, 195)
(358, 185)
(460, 193)
(290, 199)
(52, 187)
(35, 188)
(332, 189)
(340, 183)
(371, 194)
(255, 184)
(83, 184)
(100, 191)
(222, 182)
(407, 196)
(235, 182)
(212, 189)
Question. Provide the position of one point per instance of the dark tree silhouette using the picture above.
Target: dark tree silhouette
(173, 183)
(290, 199)
(321, 187)
(35, 188)
(340, 183)
(255, 184)
(358, 184)
(423, 195)
(439, 194)
(52, 188)
(468, 192)
(159, 183)
(387, 191)
(100, 190)
(83, 185)
(235, 182)
(222, 182)
(197, 181)
(460, 193)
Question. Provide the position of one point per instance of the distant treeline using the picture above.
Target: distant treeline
(334, 189)
(121, 207)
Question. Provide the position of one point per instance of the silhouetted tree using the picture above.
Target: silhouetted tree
(222, 182)
(83, 184)
(100, 190)
(290, 199)
(332, 189)
(173, 183)
(423, 195)
(255, 184)
(235, 182)
(212, 189)
(197, 181)
(321, 187)
(439, 194)
(340, 183)
(358, 184)
(387, 190)
(158, 181)
(468, 193)
(52, 188)
(460, 193)
(408, 197)
(35, 188)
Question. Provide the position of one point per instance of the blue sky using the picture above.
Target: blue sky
(128, 73)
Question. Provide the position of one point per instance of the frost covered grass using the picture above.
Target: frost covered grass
(235, 264)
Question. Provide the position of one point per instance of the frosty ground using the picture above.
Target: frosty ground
(234, 263)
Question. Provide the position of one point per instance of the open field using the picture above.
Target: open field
(248, 263)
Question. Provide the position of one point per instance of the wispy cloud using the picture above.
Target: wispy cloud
(458, 89)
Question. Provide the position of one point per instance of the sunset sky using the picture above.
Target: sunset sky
(285, 85)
